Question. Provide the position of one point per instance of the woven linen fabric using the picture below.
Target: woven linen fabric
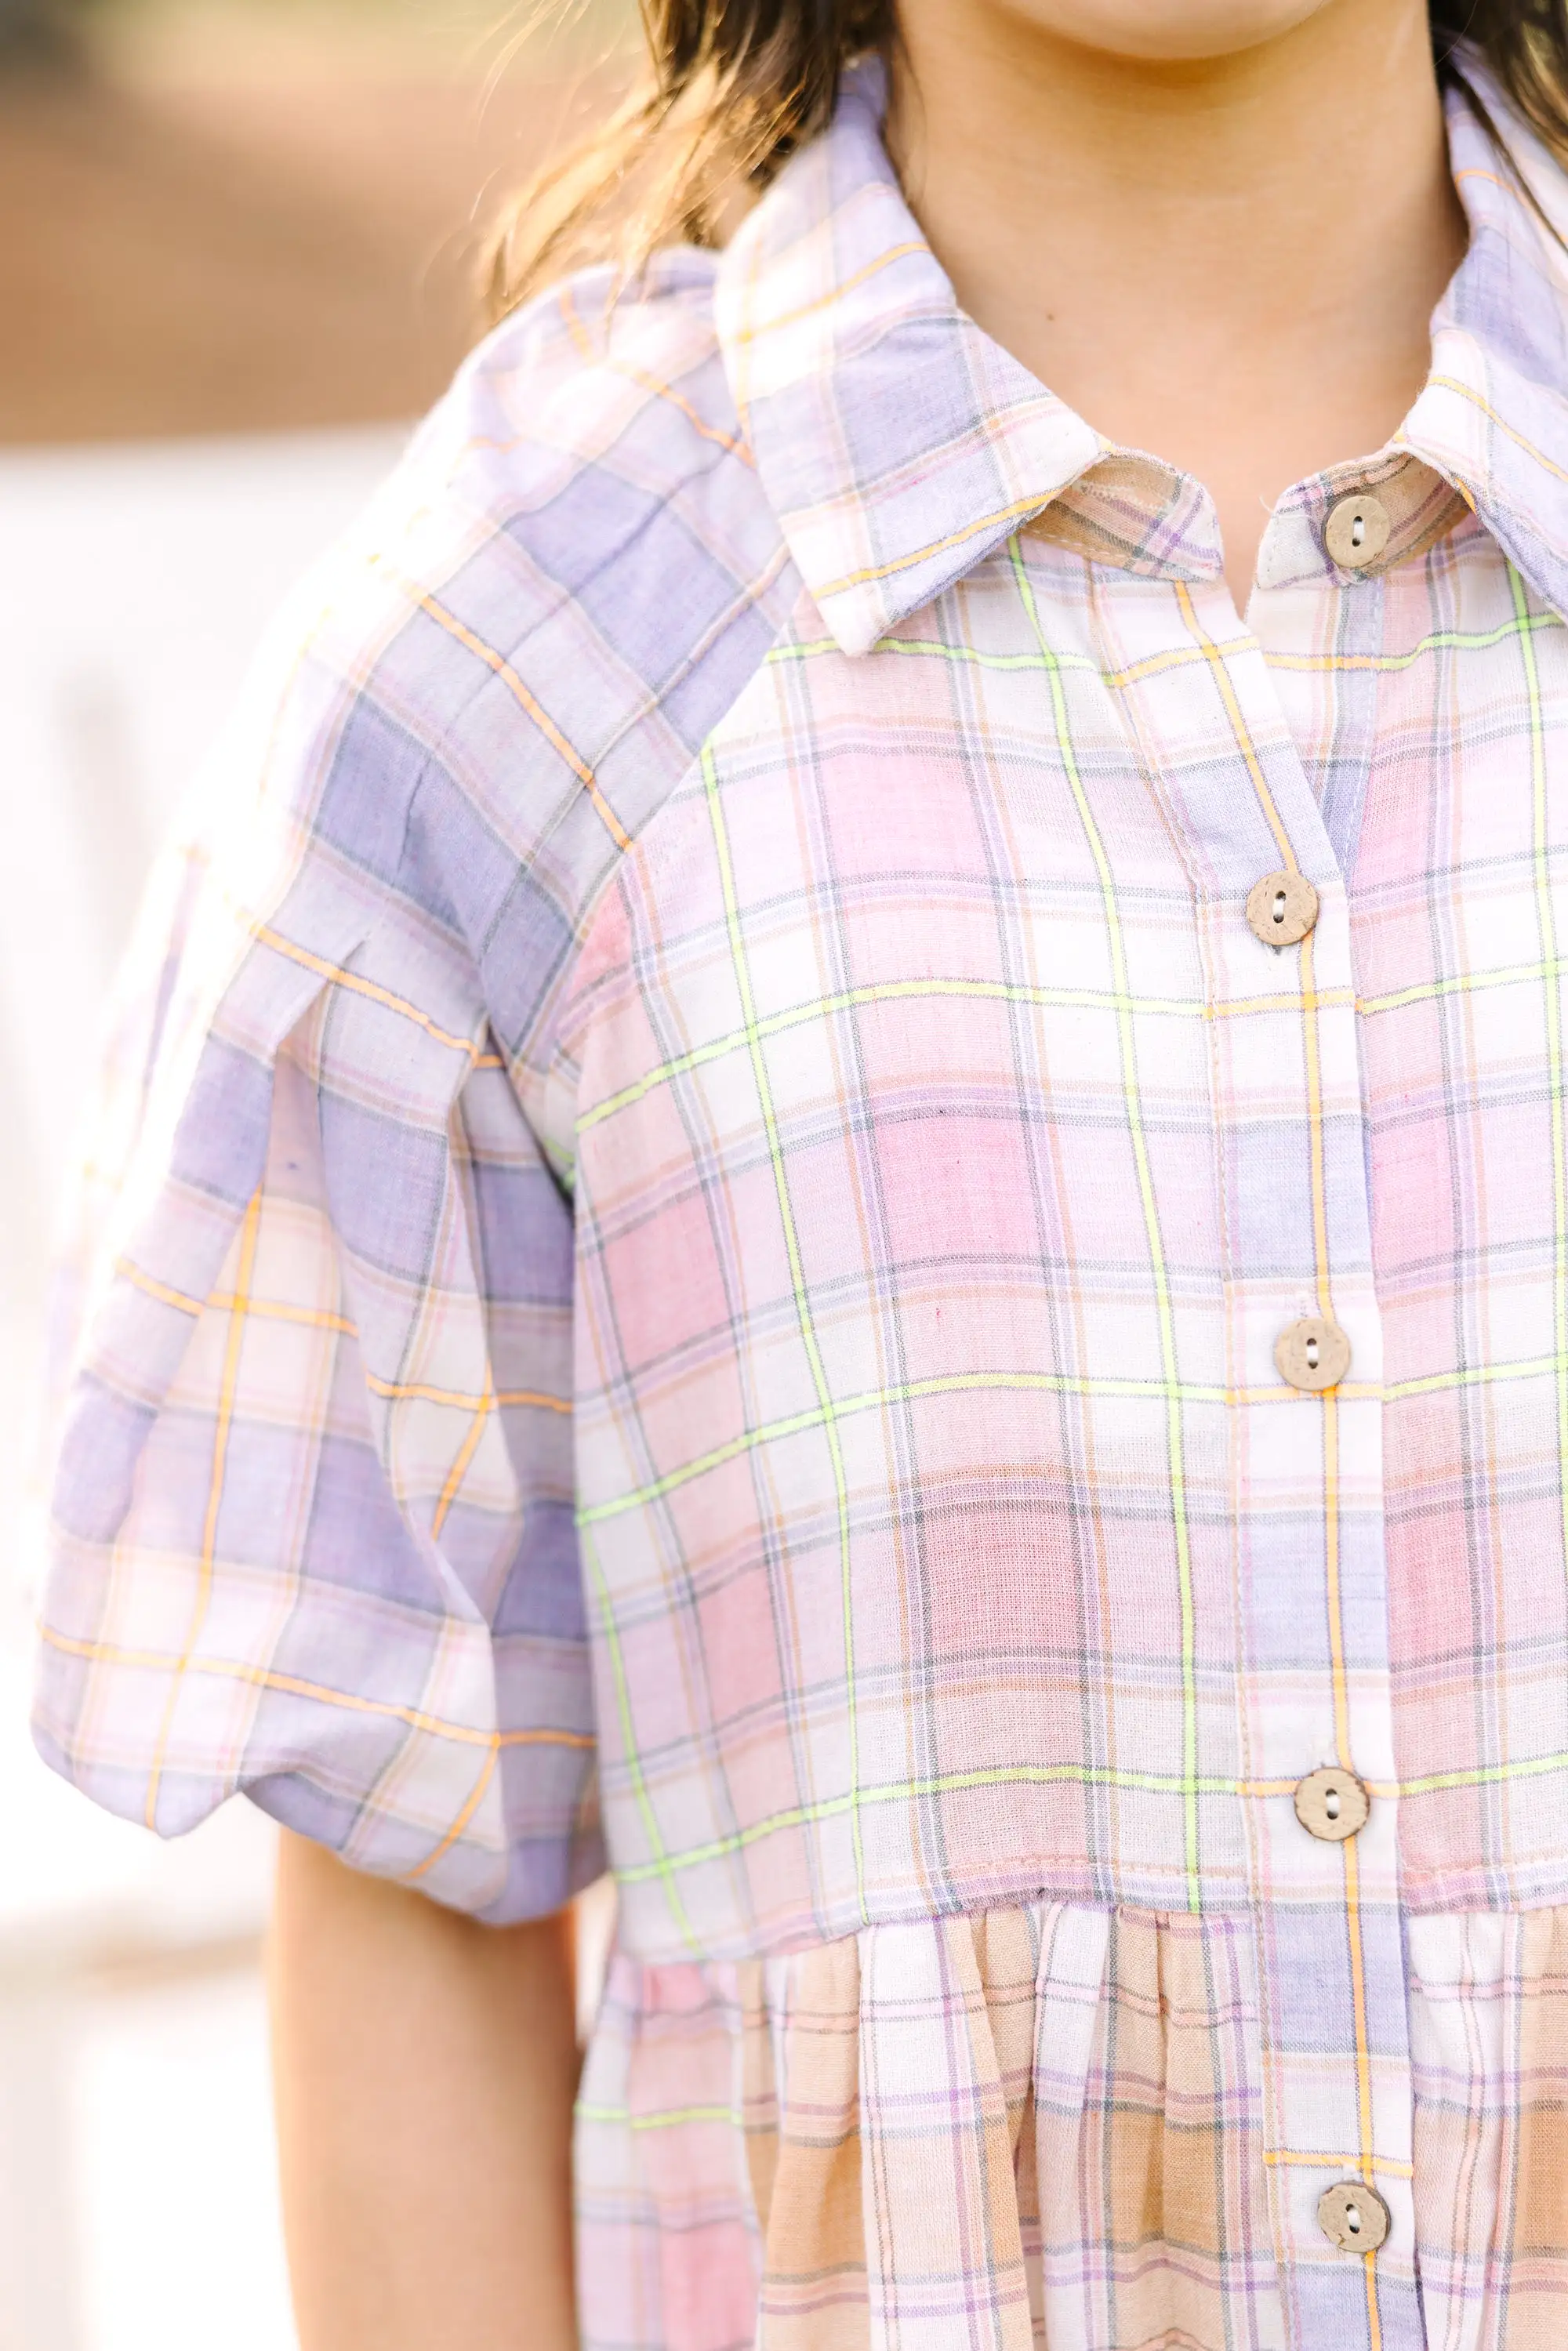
(701, 1176)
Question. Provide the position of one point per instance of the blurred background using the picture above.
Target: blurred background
(240, 244)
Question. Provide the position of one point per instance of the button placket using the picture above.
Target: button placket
(1308, 1503)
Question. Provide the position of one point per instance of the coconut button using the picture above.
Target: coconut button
(1333, 1805)
(1281, 909)
(1352, 2216)
(1311, 1354)
(1357, 531)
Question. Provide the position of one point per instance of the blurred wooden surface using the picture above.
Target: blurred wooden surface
(263, 226)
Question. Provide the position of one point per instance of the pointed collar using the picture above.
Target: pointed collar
(898, 444)
(1493, 416)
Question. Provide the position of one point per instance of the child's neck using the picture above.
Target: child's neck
(1231, 262)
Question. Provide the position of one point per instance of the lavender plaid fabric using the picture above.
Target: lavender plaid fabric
(701, 1177)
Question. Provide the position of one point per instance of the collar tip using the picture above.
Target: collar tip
(854, 622)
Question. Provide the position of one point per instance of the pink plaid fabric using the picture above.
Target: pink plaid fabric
(686, 1260)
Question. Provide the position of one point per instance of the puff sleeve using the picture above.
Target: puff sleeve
(312, 1532)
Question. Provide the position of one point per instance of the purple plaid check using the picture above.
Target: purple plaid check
(700, 1177)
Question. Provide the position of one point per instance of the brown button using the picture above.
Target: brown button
(1352, 2216)
(1281, 908)
(1332, 1805)
(1357, 531)
(1311, 1354)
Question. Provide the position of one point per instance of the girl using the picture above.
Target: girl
(847, 1177)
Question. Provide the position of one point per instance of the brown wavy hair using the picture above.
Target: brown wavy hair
(734, 85)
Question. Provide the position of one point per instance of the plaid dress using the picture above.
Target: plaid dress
(692, 1255)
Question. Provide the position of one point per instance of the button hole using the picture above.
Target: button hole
(1331, 1803)
(1352, 2221)
(1358, 530)
(1278, 905)
(1311, 1354)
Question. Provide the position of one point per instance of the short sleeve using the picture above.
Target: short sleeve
(312, 1534)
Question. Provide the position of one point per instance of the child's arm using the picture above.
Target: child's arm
(425, 2067)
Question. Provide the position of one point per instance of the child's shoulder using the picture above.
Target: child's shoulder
(612, 393)
(597, 419)
(573, 572)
